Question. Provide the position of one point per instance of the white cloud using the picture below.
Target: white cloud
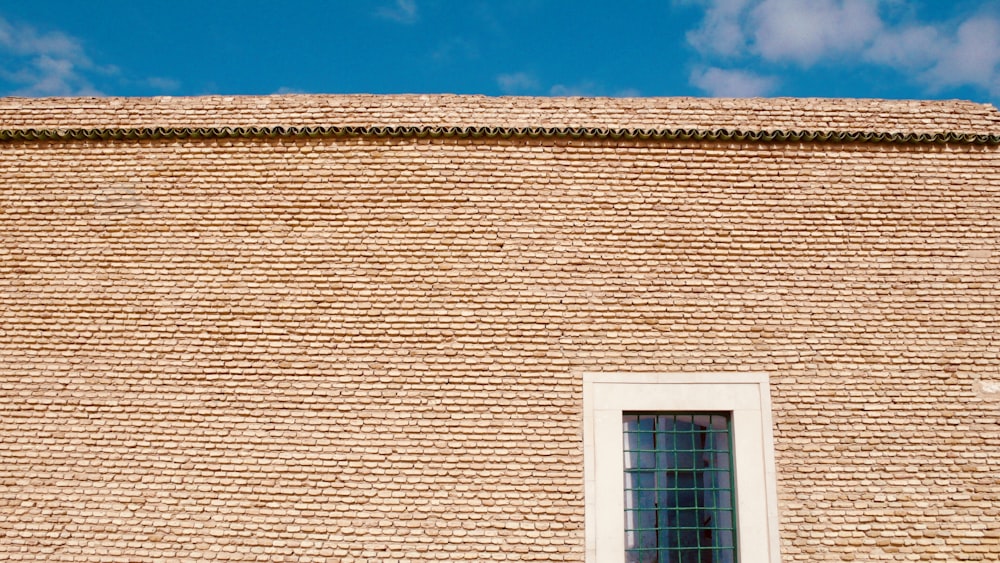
(972, 57)
(53, 63)
(46, 64)
(567, 90)
(722, 31)
(718, 82)
(289, 90)
(401, 11)
(905, 48)
(786, 30)
(456, 48)
(939, 55)
(805, 32)
(517, 83)
(24, 40)
(942, 58)
(627, 93)
(162, 84)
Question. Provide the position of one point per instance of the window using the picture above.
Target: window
(678, 488)
(679, 468)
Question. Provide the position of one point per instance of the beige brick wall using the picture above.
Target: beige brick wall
(371, 349)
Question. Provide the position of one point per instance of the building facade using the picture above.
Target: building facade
(440, 328)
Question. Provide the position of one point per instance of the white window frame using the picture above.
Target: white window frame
(746, 395)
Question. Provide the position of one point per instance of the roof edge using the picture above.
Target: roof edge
(589, 133)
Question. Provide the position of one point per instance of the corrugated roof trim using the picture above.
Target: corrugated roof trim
(181, 133)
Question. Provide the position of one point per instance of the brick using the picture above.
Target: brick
(363, 348)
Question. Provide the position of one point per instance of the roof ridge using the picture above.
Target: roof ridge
(668, 134)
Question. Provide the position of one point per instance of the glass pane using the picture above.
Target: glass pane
(679, 488)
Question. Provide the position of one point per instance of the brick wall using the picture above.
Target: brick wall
(366, 349)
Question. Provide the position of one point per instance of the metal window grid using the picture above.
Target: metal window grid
(679, 488)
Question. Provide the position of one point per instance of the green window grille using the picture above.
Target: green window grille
(679, 488)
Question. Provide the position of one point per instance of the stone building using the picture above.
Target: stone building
(442, 328)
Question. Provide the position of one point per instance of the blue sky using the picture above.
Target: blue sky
(827, 48)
